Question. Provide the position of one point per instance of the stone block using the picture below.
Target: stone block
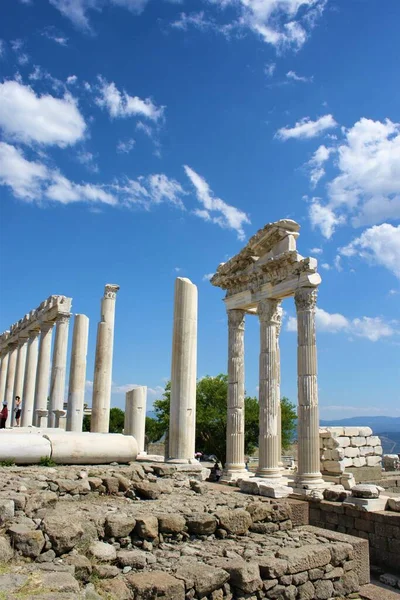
(203, 578)
(147, 526)
(236, 521)
(373, 461)
(7, 509)
(275, 490)
(244, 576)
(103, 552)
(359, 461)
(378, 450)
(63, 533)
(306, 591)
(305, 558)
(333, 466)
(373, 440)
(367, 450)
(132, 558)
(119, 525)
(365, 431)
(201, 524)
(155, 584)
(271, 567)
(343, 442)
(352, 431)
(171, 523)
(358, 441)
(323, 589)
(351, 452)
(6, 551)
(29, 542)
(394, 504)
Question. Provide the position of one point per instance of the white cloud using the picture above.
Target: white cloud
(88, 160)
(294, 77)
(306, 129)
(323, 218)
(76, 10)
(320, 156)
(125, 147)
(2, 48)
(72, 79)
(316, 250)
(227, 216)
(162, 188)
(121, 105)
(24, 177)
(371, 328)
(196, 19)
(64, 191)
(269, 69)
(26, 117)
(326, 266)
(151, 190)
(378, 245)
(207, 276)
(54, 35)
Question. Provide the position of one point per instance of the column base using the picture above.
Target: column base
(233, 475)
(182, 461)
(266, 473)
(310, 481)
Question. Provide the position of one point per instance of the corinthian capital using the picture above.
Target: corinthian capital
(270, 311)
(236, 318)
(305, 298)
(63, 318)
(110, 290)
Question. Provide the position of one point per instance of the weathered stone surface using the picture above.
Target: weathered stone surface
(105, 571)
(157, 584)
(235, 521)
(347, 584)
(365, 490)
(203, 578)
(323, 589)
(259, 511)
(73, 486)
(243, 575)
(171, 523)
(132, 558)
(306, 591)
(307, 557)
(201, 524)
(147, 526)
(6, 551)
(119, 525)
(394, 504)
(30, 542)
(115, 588)
(37, 501)
(83, 566)
(103, 552)
(264, 527)
(341, 552)
(271, 567)
(7, 508)
(146, 490)
(59, 582)
(111, 484)
(63, 532)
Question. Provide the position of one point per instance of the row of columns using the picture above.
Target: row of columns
(270, 316)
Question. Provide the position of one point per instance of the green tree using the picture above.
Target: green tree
(211, 396)
(117, 418)
(154, 430)
(86, 423)
(289, 422)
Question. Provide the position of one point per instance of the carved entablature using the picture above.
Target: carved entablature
(268, 266)
(48, 311)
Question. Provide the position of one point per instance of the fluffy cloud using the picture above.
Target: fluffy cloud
(28, 118)
(294, 77)
(77, 10)
(320, 156)
(269, 69)
(324, 218)
(227, 216)
(371, 328)
(34, 181)
(378, 245)
(151, 190)
(125, 147)
(306, 129)
(121, 105)
(54, 35)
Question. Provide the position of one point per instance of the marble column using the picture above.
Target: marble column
(308, 470)
(28, 394)
(59, 368)
(278, 362)
(235, 464)
(135, 415)
(182, 427)
(43, 372)
(270, 315)
(100, 419)
(3, 375)
(77, 374)
(9, 388)
(19, 375)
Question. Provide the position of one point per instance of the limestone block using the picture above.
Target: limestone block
(102, 551)
(351, 452)
(352, 431)
(203, 578)
(244, 576)
(7, 508)
(347, 462)
(201, 524)
(378, 450)
(373, 461)
(373, 440)
(338, 454)
(394, 504)
(360, 461)
(29, 542)
(358, 441)
(132, 558)
(367, 504)
(6, 551)
(326, 454)
(235, 521)
(333, 466)
(147, 526)
(331, 443)
(250, 486)
(275, 490)
(365, 431)
(367, 450)
(156, 584)
(365, 490)
(308, 557)
(343, 442)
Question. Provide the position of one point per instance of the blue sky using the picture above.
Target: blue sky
(147, 139)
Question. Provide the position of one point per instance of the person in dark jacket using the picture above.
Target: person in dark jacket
(3, 415)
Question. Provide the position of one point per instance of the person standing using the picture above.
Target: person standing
(17, 410)
(3, 415)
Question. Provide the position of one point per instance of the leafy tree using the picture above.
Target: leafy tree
(289, 422)
(86, 423)
(117, 418)
(154, 430)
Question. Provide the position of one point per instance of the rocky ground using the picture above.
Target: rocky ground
(134, 532)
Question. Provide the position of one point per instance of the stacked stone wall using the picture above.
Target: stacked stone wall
(350, 450)
(381, 529)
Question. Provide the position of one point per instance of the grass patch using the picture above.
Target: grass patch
(46, 461)
(10, 462)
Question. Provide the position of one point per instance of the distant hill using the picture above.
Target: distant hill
(377, 424)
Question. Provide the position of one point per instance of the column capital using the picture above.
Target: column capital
(110, 290)
(63, 318)
(270, 311)
(236, 318)
(12, 345)
(45, 326)
(306, 299)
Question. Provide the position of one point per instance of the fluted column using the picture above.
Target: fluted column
(28, 394)
(308, 470)
(3, 375)
(19, 374)
(9, 388)
(270, 315)
(278, 363)
(182, 423)
(235, 465)
(135, 415)
(101, 400)
(59, 368)
(43, 371)
(77, 374)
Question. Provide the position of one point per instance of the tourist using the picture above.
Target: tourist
(3, 415)
(17, 410)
